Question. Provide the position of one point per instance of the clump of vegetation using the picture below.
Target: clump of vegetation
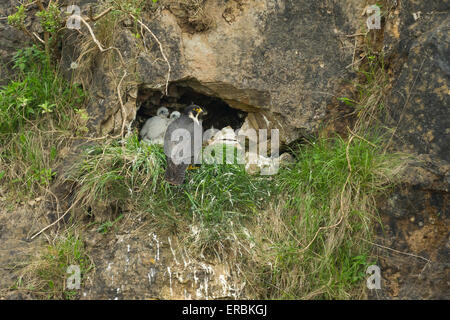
(37, 90)
(131, 174)
(36, 121)
(39, 114)
(302, 228)
(311, 246)
(47, 274)
(116, 171)
(50, 18)
(108, 225)
(17, 19)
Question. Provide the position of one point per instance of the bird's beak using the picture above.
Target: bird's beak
(199, 111)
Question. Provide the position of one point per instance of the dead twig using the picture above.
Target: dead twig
(99, 16)
(56, 221)
(361, 138)
(396, 251)
(357, 61)
(30, 4)
(37, 37)
(119, 94)
(356, 35)
(99, 45)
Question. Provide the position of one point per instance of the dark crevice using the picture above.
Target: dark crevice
(219, 113)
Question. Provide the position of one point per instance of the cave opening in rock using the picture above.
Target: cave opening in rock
(219, 113)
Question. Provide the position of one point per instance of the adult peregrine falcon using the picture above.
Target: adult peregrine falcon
(183, 144)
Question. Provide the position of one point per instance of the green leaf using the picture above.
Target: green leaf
(347, 101)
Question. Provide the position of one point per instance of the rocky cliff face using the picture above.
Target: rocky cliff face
(417, 213)
(267, 55)
(288, 60)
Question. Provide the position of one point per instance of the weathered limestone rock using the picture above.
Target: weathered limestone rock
(416, 215)
(148, 266)
(287, 58)
(420, 98)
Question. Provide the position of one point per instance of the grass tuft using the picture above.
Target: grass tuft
(308, 242)
(37, 118)
(47, 274)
